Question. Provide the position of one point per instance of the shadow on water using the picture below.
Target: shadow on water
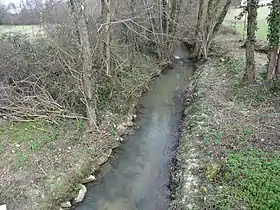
(138, 174)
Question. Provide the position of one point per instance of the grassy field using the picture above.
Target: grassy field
(262, 22)
(25, 29)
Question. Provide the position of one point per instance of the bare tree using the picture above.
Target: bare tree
(88, 72)
(209, 25)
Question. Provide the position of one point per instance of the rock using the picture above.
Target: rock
(130, 117)
(121, 128)
(177, 57)
(102, 159)
(91, 178)
(3, 207)
(129, 123)
(81, 194)
(115, 144)
(120, 139)
(66, 204)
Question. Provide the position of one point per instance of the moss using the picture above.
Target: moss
(212, 171)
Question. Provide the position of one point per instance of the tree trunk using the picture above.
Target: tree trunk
(198, 32)
(106, 19)
(277, 69)
(87, 73)
(272, 64)
(213, 25)
(221, 18)
(74, 15)
(165, 16)
(250, 71)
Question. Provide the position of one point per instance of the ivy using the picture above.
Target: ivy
(273, 19)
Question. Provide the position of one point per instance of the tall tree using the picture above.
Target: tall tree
(198, 31)
(274, 39)
(250, 71)
(106, 19)
(88, 73)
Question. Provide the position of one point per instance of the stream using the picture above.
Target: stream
(137, 175)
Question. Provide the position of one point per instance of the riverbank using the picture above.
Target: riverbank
(229, 150)
(42, 162)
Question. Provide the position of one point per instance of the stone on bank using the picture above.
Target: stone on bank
(81, 194)
(3, 207)
(91, 178)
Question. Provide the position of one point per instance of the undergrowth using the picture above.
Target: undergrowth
(241, 164)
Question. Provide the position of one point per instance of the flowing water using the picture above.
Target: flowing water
(138, 174)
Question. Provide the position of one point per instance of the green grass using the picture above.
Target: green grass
(262, 22)
(26, 137)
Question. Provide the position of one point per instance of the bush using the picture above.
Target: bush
(43, 76)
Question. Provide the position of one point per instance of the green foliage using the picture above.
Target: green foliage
(273, 19)
(235, 66)
(252, 178)
(212, 171)
(263, 74)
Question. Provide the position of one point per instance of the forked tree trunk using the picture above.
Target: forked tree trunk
(87, 72)
(213, 21)
(250, 71)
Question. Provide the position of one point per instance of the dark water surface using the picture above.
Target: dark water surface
(138, 174)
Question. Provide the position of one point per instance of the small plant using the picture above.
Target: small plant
(80, 124)
(251, 179)
(263, 74)
(218, 137)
